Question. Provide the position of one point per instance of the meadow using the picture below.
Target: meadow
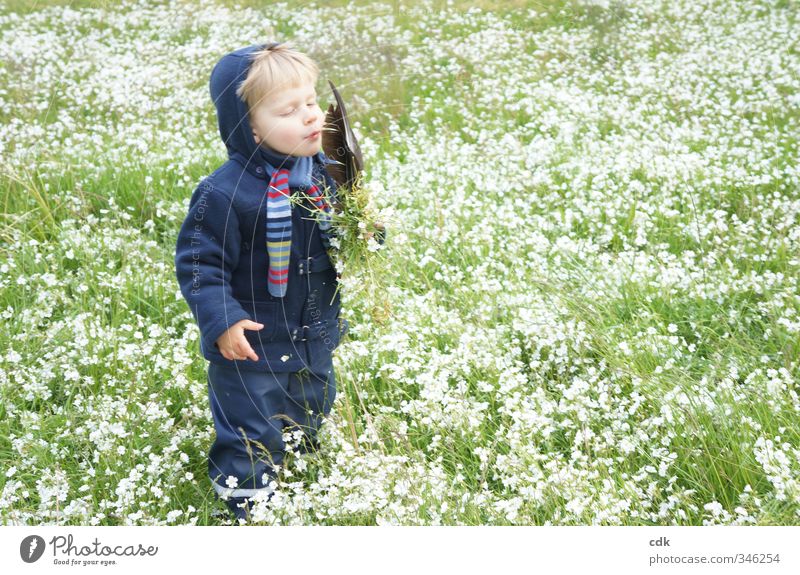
(594, 233)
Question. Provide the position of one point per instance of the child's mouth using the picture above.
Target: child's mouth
(313, 135)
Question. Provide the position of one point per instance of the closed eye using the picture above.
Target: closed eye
(289, 113)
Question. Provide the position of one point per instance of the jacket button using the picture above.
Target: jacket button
(260, 170)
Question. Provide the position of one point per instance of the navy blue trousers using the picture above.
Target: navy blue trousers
(251, 411)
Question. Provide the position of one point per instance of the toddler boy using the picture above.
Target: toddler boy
(255, 272)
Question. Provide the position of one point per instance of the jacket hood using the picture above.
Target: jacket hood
(234, 126)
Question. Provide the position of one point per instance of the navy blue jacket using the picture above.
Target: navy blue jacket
(221, 257)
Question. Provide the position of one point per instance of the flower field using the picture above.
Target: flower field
(593, 214)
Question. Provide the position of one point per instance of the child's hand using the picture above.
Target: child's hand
(233, 345)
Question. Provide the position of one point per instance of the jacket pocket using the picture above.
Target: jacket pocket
(265, 312)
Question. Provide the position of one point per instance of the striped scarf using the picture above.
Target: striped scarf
(279, 222)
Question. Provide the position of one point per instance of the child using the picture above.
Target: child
(255, 272)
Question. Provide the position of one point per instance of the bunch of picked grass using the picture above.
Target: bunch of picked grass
(355, 252)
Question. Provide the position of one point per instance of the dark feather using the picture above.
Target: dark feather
(340, 144)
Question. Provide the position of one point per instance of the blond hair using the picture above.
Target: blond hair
(274, 69)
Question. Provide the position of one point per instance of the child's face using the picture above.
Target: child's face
(285, 120)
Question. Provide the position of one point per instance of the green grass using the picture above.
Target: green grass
(120, 281)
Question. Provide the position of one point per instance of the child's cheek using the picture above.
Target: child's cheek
(287, 133)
